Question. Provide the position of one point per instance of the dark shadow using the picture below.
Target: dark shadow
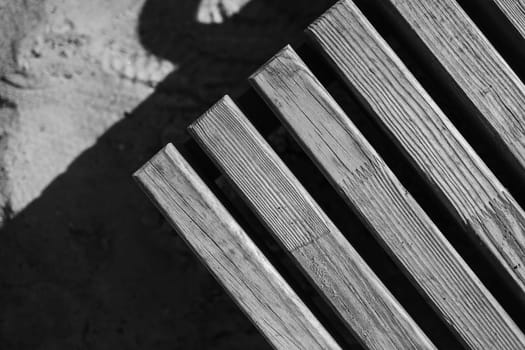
(90, 264)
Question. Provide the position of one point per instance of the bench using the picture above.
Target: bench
(180, 183)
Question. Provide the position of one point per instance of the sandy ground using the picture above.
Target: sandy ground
(89, 90)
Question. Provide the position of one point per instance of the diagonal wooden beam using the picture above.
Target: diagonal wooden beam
(405, 110)
(229, 254)
(296, 220)
(470, 65)
(362, 178)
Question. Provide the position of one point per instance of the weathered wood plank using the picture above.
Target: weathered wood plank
(229, 253)
(443, 157)
(471, 63)
(372, 190)
(289, 212)
(515, 12)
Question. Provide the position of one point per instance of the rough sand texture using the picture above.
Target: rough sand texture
(89, 90)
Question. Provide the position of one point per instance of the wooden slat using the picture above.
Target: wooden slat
(362, 178)
(446, 161)
(515, 12)
(229, 253)
(472, 64)
(289, 212)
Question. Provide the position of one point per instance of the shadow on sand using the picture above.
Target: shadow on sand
(90, 264)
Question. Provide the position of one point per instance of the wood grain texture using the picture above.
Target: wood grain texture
(229, 254)
(515, 12)
(472, 64)
(414, 121)
(362, 178)
(289, 212)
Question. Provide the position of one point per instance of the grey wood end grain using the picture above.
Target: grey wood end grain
(230, 255)
(362, 178)
(295, 219)
(409, 115)
(473, 65)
